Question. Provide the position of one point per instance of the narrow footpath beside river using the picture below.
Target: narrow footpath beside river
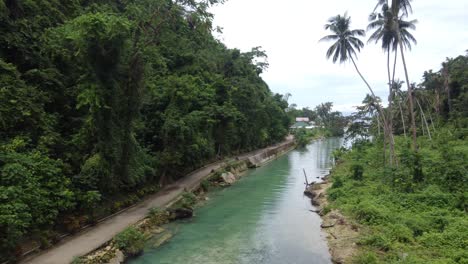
(263, 218)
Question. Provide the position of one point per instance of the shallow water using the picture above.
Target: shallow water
(263, 218)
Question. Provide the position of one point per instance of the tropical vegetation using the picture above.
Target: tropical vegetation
(105, 101)
(404, 189)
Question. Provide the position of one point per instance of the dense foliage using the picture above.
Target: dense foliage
(416, 210)
(104, 97)
(406, 221)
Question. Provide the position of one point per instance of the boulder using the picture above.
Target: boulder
(328, 224)
(310, 194)
(118, 258)
(181, 213)
(228, 177)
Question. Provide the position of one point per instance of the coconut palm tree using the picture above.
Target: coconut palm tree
(385, 33)
(404, 6)
(394, 30)
(369, 108)
(346, 43)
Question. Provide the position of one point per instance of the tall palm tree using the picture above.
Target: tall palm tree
(393, 22)
(385, 33)
(346, 43)
(404, 6)
(379, 22)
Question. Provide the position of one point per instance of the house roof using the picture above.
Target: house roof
(299, 124)
(302, 119)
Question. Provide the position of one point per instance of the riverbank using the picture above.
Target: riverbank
(342, 234)
(405, 215)
(94, 237)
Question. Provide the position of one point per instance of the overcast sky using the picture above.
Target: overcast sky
(290, 30)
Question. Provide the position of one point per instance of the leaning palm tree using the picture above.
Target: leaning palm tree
(346, 43)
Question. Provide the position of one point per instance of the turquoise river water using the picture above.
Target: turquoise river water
(264, 218)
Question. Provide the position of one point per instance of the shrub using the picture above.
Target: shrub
(379, 241)
(188, 200)
(369, 213)
(334, 194)
(418, 225)
(131, 241)
(205, 185)
(366, 258)
(337, 182)
(357, 171)
(400, 233)
(158, 216)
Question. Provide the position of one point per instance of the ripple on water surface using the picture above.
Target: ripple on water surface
(263, 218)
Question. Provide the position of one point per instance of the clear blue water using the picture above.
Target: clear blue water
(263, 218)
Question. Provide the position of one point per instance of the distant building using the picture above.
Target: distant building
(302, 119)
(304, 124)
(300, 124)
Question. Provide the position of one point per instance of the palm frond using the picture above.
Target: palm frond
(329, 38)
(347, 41)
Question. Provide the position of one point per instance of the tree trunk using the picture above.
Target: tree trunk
(402, 119)
(399, 103)
(447, 86)
(424, 120)
(378, 125)
(390, 114)
(410, 96)
(379, 109)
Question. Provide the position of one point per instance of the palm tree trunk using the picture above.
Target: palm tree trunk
(378, 125)
(390, 117)
(394, 66)
(379, 109)
(402, 119)
(410, 96)
(424, 120)
(447, 87)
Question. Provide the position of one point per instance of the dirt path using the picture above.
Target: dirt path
(92, 238)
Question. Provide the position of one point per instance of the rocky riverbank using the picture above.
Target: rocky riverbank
(342, 234)
(151, 227)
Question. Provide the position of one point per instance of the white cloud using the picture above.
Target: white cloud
(290, 30)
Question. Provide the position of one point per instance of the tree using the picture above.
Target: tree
(394, 24)
(368, 108)
(346, 42)
(110, 97)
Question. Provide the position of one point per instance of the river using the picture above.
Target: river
(263, 218)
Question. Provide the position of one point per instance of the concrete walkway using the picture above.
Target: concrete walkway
(93, 237)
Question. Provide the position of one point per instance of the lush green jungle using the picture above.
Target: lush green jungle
(404, 181)
(104, 102)
(415, 209)
(108, 99)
